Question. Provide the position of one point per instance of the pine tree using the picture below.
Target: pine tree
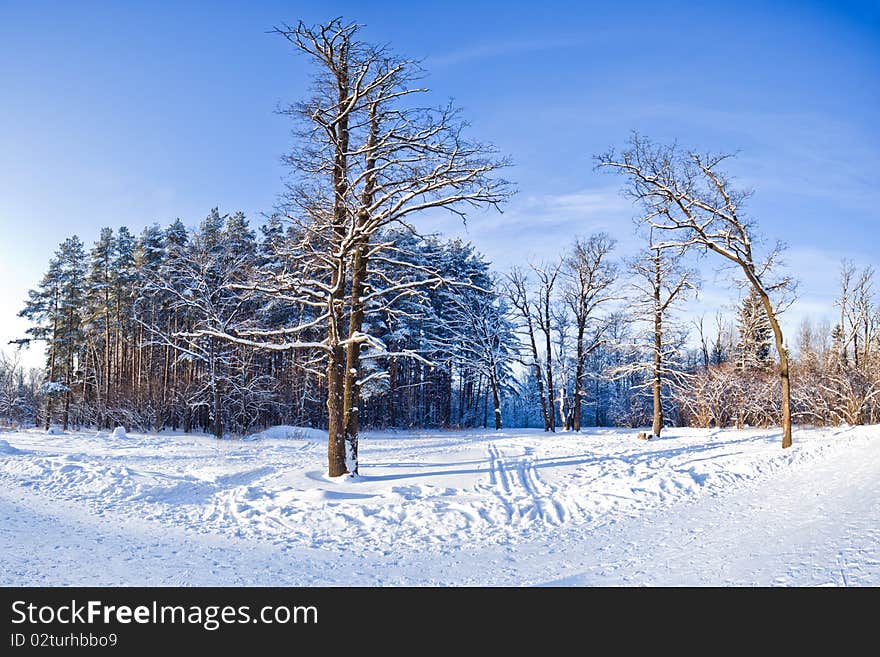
(42, 309)
(124, 278)
(99, 308)
(754, 349)
(69, 336)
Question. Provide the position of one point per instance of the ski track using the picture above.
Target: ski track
(432, 507)
(521, 491)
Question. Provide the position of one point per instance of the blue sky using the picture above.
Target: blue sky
(128, 113)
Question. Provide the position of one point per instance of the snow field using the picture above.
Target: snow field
(424, 491)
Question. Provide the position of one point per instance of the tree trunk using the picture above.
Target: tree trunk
(496, 402)
(52, 362)
(85, 379)
(538, 374)
(578, 380)
(393, 384)
(658, 344)
(66, 409)
(549, 346)
(336, 377)
(351, 388)
(336, 413)
(784, 377)
(68, 373)
(107, 352)
(562, 424)
(336, 360)
(215, 390)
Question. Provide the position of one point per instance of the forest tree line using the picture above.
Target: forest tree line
(112, 317)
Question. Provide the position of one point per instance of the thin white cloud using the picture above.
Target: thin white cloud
(502, 48)
(541, 226)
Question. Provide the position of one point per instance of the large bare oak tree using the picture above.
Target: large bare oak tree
(368, 156)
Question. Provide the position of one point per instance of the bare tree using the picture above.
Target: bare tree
(368, 157)
(588, 281)
(857, 317)
(689, 198)
(547, 275)
(850, 380)
(205, 289)
(518, 294)
(661, 280)
(704, 347)
(562, 323)
(479, 334)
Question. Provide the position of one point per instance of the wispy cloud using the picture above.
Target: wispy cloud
(805, 153)
(502, 48)
(542, 226)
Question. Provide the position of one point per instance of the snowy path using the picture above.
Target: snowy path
(812, 526)
(58, 546)
(590, 510)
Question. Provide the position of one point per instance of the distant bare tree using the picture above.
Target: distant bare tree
(661, 280)
(520, 299)
(479, 334)
(688, 197)
(858, 319)
(704, 347)
(588, 281)
(547, 275)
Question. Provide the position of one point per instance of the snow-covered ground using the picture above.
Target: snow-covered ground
(510, 508)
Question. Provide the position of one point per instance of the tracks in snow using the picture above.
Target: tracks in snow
(525, 496)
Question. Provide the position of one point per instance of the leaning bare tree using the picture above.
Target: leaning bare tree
(688, 197)
(368, 156)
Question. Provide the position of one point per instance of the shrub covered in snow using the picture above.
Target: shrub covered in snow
(286, 432)
(119, 432)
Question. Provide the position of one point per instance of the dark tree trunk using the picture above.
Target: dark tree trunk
(578, 381)
(658, 339)
(52, 361)
(551, 414)
(336, 360)
(539, 377)
(496, 402)
(351, 392)
(784, 378)
(217, 427)
(66, 410)
(336, 413)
